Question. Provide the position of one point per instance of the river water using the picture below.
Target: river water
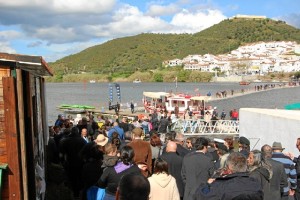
(97, 94)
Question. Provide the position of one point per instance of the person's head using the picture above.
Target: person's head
(171, 146)
(188, 142)
(160, 166)
(221, 149)
(116, 141)
(101, 140)
(74, 132)
(127, 155)
(236, 162)
(266, 151)
(115, 124)
(298, 144)
(254, 158)
(128, 135)
(110, 149)
(228, 143)
(133, 187)
(179, 139)
(277, 147)
(201, 144)
(155, 140)
(84, 132)
(244, 144)
(61, 117)
(170, 136)
(115, 135)
(84, 121)
(137, 132)
(125, 120)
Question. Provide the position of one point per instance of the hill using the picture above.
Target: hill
(123, 56)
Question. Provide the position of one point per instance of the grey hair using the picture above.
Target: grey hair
(260, 161)
(236, 162)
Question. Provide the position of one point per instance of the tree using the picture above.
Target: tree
(158, 77)
(297, 75)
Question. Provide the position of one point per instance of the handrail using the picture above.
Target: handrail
(199, 126)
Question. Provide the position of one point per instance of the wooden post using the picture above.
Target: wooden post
(20, 100)
(12, 140)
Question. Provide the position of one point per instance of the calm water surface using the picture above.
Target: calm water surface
(97, 94)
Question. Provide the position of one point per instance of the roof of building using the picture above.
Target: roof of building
(34, 64)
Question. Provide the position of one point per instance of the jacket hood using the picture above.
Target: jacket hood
(109, 161)
(264, 172)
(162, 179)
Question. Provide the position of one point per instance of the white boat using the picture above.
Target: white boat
(92, 81)
(137, 81)
(257, 81)
(161, 101)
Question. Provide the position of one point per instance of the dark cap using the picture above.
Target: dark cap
(243, 140)
(222, 147)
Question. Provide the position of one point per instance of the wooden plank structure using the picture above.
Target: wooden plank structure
(23, 125)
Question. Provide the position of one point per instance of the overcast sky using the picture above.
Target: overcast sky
(57, 28)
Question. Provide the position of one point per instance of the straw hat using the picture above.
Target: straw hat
(101, 140)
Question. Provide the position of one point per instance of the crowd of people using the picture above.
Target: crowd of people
(108, 159)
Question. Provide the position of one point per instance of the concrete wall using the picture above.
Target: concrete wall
(264, 126)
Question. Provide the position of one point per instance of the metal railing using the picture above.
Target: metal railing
(198, 127)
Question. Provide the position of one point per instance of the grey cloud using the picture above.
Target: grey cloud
(292, 19)
(35, 44)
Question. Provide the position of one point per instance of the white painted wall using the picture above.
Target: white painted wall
(265, 126)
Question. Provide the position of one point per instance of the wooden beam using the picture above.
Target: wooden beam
(22, 132)
(12, 138)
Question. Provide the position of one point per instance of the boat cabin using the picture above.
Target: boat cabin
(23, 126)
(161, 101)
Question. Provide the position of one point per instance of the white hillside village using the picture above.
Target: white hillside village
(253, 59)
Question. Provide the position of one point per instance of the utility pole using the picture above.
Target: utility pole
(176, 84)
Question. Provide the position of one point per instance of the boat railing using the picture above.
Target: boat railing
(199, 126)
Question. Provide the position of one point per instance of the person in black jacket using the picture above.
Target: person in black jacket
(197, 168)
(279, 178)
(260, 169)
(233, 184)
(112, 175)
(174, 165)
(163, 125)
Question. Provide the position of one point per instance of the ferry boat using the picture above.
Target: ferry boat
(161, 101)
(244, 83)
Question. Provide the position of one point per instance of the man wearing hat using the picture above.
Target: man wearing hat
(244, 146)
(289, 169)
